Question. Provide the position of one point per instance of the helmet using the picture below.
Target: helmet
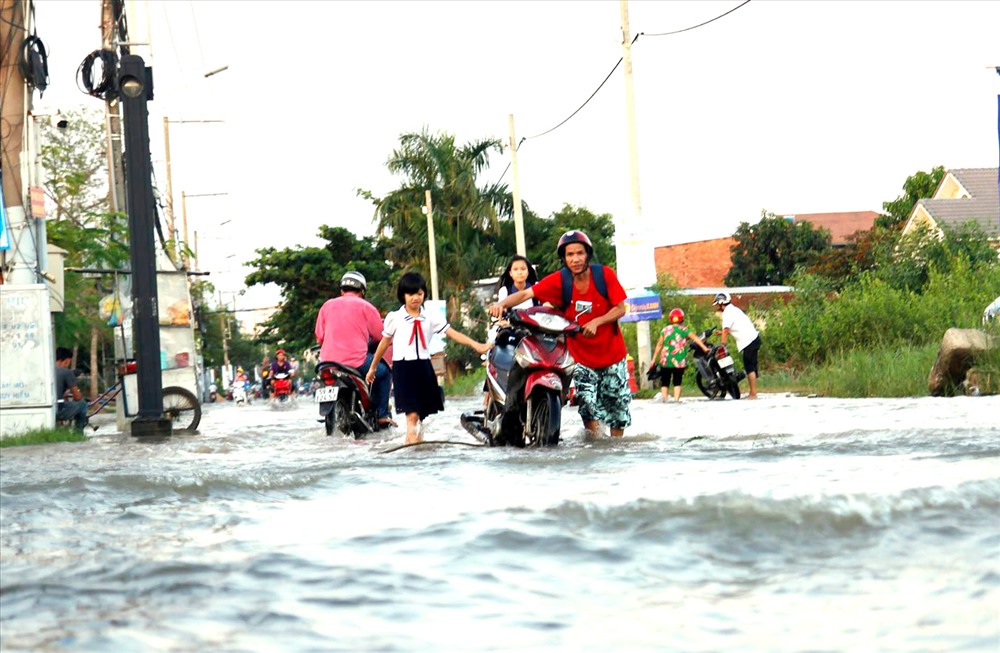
(279, 352)
(354, 281)
(676, 316)
(574, 236)
(239, 370)
(722, 298)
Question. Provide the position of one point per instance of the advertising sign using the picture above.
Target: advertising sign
(643, 306)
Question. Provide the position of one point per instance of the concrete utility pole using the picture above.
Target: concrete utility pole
(14, 104)
(516, 190)
(634, 244)
(429, 210)
(112, 117)
(171, 232)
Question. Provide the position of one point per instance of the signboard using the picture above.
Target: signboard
(645, 305)
(37, 202)
(26, 376)
(4, 230)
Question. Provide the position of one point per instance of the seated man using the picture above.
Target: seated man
(75, 408)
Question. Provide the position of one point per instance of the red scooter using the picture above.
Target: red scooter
(528, 375)
(281, 388)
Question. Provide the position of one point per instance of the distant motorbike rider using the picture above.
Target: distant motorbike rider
(736, 323)
(265, 376)
(281, 365)
(345, 326)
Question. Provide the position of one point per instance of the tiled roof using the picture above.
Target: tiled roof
(841, 224)
(696, 265)
(983, 207)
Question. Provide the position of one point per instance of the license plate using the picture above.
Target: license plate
(726, 361)
(327, 393)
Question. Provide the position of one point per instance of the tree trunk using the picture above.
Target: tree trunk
(94, 342)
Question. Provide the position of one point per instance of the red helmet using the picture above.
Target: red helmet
(574, 236)
(676, 316)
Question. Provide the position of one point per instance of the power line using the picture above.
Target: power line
(686, 29)
(587, 100)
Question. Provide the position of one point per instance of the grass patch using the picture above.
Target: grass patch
(467, 385)
(889, 372)
(43, 436)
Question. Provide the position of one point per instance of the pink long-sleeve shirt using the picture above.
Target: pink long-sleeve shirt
(343, 328)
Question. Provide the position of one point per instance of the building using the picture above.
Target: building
(841, 225)
(964, 195)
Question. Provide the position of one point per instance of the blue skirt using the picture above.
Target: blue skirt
(415, 388)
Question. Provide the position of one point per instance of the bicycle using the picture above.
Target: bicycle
(179, 404)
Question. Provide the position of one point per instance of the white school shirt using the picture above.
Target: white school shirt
(502, 295)
(406, 330)
(740, 326)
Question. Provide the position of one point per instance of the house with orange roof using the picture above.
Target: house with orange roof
(841, 225)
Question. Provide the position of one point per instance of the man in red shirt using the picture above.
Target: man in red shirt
(344, 327)
(601, 375)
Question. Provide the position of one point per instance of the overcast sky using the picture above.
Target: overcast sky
(793, 107)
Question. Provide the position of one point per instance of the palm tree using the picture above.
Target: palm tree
(465, 214)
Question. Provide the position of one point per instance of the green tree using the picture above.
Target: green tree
(917, 186)
(73, 159)
(769, 252)
(466, 213)
(541, 236)
(308, 276)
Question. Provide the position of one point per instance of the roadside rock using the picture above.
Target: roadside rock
(958, 352)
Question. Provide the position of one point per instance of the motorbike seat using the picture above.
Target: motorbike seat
(503, 359)
(343, 368)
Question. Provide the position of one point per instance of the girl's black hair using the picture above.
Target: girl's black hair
(506, 281)
(410, 284)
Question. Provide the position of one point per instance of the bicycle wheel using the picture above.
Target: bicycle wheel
(182, 407)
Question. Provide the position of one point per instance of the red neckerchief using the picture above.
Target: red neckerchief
(418, 330)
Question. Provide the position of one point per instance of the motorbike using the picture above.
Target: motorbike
(213, 393)
(239, 392)
(717, 373)
(345, 401)
(528, 376)
(281, 387)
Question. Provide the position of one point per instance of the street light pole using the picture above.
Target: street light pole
(135, 86)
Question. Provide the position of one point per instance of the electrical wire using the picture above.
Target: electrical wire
(586, 101)
(687, 29)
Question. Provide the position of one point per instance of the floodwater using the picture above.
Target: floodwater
(783, 524)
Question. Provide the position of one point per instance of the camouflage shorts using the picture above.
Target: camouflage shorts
(604, 394)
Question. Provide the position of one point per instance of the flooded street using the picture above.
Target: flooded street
(783, 524)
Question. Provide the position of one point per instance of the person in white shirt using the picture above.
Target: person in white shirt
(736, 322)
(409, 330)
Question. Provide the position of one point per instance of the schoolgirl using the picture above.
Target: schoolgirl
(409, 330)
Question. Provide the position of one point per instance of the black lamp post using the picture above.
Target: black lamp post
(135, 86)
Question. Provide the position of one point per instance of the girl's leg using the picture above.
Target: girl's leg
(413, 434)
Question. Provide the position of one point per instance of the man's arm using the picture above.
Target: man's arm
(590, 328)
(496, 310)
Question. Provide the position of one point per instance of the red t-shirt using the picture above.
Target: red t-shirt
(608, 346)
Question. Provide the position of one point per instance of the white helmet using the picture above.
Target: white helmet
(353, 281)
(722, 298)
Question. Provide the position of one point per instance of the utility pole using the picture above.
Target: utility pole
(171, 232)
(632, 249)
(516, 189)
(14, 105)
(112, 116)
(429, 210)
